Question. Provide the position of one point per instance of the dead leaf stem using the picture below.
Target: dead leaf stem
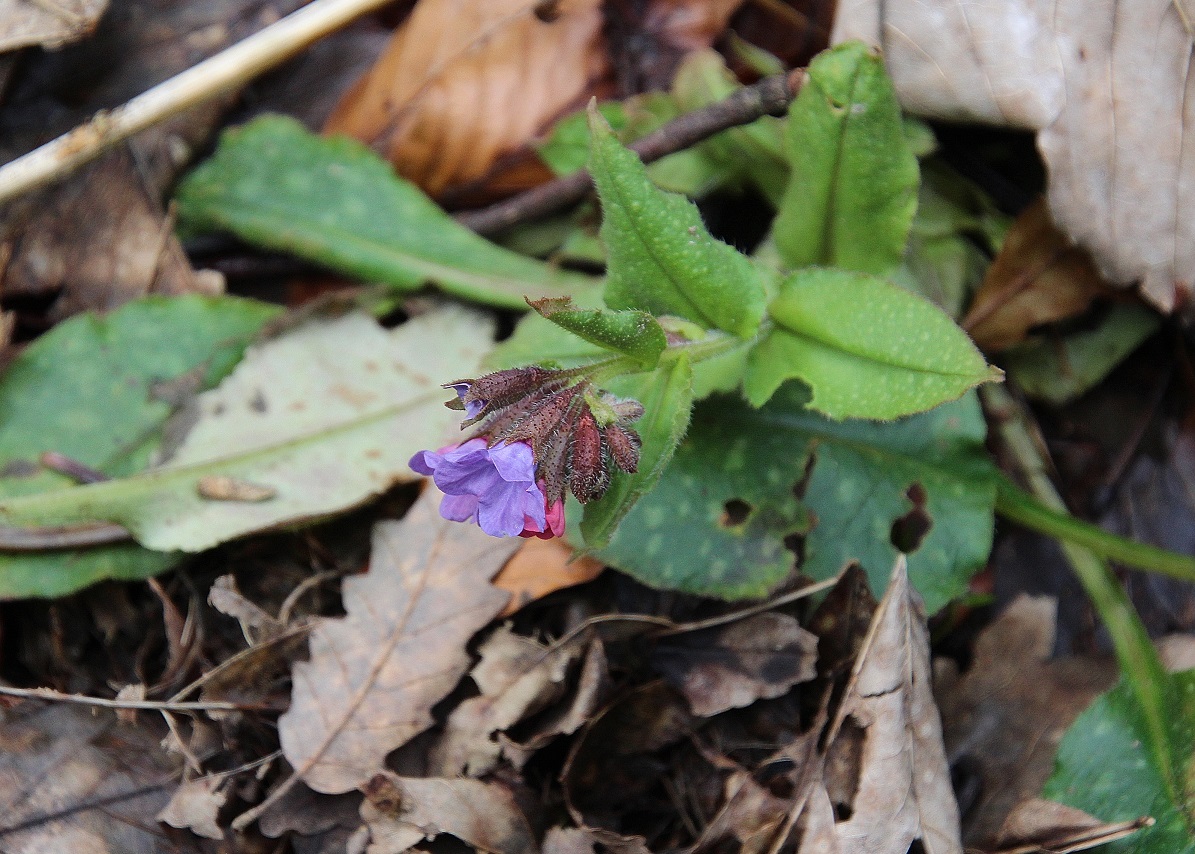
(770, 96)
(217, 74)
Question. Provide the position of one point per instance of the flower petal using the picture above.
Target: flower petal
(515, 462)
(459, 508)
(500, 511)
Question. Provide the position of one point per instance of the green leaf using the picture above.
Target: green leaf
(667, 397)
(661, 257)
(718, 521)
(98, 388)
(866, 347)
(333, 201)
(1107, 766)
(632, 333)
(853, 190)
(323, 416)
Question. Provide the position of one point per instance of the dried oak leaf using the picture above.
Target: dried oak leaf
(195, 805)
(480, 814)
(463, 83)
(1110, 90)
(375, 673)
(1038, 277)
(47, 24)
(885, 762)
(732, 666)
(1011, 708)
(541, 567)
(517, 676)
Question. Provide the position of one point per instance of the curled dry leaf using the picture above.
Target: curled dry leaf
(541, 567)
(1038, 277)
(482, 815)
(732, 666)
(195, 806)
(375, 673)
(1039, 825)
(885, 761)
(1110, 90)
(463, 83)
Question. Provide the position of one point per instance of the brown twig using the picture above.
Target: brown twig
(14, 539)
(146, 705)
(770, 96)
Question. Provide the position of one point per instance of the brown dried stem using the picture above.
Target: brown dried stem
(770, 96)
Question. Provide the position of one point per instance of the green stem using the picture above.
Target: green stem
(713, 345)
(1085, 547)
(1019, 506)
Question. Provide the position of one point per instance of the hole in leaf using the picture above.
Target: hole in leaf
(909, 530)
(734, 512)
(842, 812)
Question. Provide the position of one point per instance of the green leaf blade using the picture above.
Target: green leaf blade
(662, 259)
(853, 187)
(632, 333)
(867, 348)
(334, 202)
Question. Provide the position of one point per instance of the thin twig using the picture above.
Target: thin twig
(770, 96)
(226, 70)
(13, 539)
(146, 705)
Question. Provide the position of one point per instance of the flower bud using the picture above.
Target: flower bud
(587, 471)
(624, 447)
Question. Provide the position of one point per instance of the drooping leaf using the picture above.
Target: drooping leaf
(1108, 766)
(97, 389)
(633, 333)
(333, 201)
(661, 257)
(399, 649)
(853, 190)
(325, 416)
(867, 348)
(667, 397)
(717, 522)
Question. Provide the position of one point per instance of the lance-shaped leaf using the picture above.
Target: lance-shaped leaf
(316, 420)
(97, 389)
(867, 348)
(661, 257)
(747, 484)
(375, 673)
(632, 333)
(667, 397)
(334, 202)
(853, 190)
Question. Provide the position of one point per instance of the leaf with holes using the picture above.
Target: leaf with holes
(747, 484)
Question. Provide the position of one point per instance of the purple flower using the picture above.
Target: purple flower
(492, 486)
(472, 407)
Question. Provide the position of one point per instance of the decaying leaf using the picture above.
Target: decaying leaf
(541, 567)
(325, 415)
(195, 805)
(1110, 90)
(215, 487)
(72, 779)
(1039, 825)
(885, 762)
(463, 83)
(1011, 708)
(375, 673)
(517, 676)
(49, 24)
(1038, 277)
(481, 814)
(732, 666)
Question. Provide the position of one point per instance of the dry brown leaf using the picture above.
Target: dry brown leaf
(689, 24)
(57, 759)
(49, 23)
(195, 806)
(1011, 708)
(732, 666)
(541, 567)
(256, 624)
(308, 813)
(1110, 90)
(1036, 825)
(517, 677)
(483, 815)
(1039, 277)
(582, 840)
(899, 788)
(400, 648)
(463, 83)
